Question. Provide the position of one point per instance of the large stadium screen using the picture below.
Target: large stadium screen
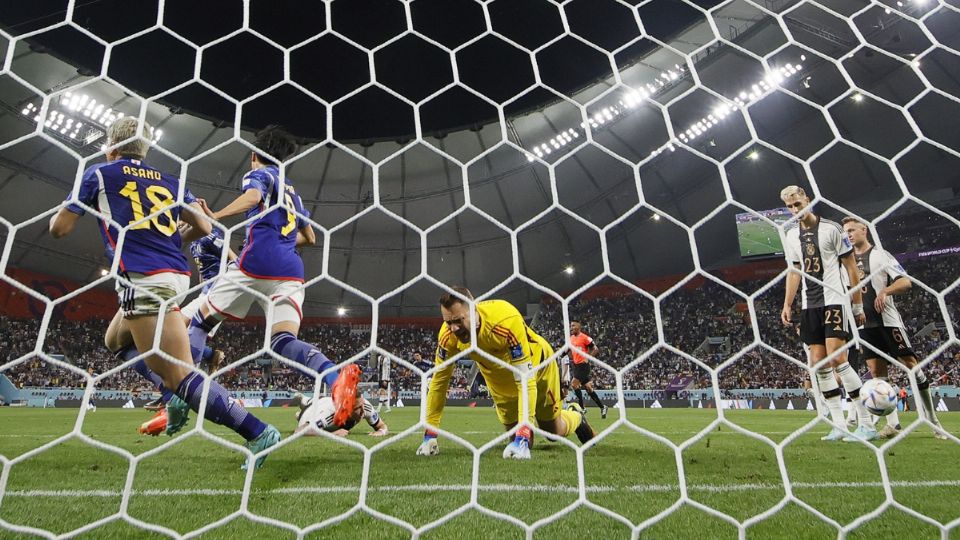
(757, 237)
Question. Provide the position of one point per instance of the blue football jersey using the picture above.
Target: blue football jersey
(127, 190)
(270, 247)
(206, 253)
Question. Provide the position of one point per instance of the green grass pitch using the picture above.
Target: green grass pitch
(758, 238)
(195, 481)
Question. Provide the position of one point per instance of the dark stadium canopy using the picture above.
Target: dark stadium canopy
(362, 73)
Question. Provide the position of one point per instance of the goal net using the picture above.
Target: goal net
(612, 163)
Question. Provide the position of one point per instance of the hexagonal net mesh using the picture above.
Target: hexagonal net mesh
(839, 95)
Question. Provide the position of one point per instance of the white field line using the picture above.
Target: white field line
(494, 488)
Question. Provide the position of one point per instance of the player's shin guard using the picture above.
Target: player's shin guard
(199, 328)
(220, 409)
(852, 383)
(571, 419)
(831, 394)
(288, 346)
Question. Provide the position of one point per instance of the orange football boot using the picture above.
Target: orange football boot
(344, 393)
(156, 425)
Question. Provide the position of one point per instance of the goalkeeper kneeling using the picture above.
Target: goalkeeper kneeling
(502, 334)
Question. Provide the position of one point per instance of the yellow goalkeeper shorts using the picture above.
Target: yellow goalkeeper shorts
(547, 406)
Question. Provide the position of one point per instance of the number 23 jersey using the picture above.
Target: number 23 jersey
(126, 191)
(817, 251)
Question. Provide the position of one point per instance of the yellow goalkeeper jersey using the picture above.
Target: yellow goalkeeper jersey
(502, 334)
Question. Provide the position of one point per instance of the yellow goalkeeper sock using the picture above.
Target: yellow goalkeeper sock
(572, 419)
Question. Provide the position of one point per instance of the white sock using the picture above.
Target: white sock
(893, 419)
(816, 396)
(851, 383)
(852, 415)
(828, 386)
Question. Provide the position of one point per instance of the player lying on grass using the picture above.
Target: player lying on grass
(503, 334)
(320, 413)
(142, 199)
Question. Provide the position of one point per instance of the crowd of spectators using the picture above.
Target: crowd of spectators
(707, 321)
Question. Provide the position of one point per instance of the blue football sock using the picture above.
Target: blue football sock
(199, 328)
(288, 346)
(220, 409)
(140, 366)
(207, 353)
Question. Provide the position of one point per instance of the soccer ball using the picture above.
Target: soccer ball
(879, 397)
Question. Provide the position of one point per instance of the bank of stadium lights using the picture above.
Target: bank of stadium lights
(341, 311)
(630, 100)
(635, 96)
(746, 97)
(79, 118)
(568, 270)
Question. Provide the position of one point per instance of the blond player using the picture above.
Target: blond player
(818, 248)
(883, 331)
(502, 333)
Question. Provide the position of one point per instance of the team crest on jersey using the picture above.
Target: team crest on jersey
(811, 249)
(516, 351)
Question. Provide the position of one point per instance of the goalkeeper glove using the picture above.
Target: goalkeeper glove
(520, 447)
(429, 445)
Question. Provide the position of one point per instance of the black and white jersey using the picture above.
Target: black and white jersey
(320, 412)
(883, 269)
(383, 368)
(817, 250)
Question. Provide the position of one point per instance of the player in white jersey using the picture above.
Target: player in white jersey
(383, 395)
(320, 413)
(883, 331)
(818, 248)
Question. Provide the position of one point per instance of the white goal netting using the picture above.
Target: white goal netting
(845, 98)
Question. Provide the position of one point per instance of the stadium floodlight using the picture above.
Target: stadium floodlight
(633, 97)
(341, 311)
(79, 118)
(858, 97)
(568, 270)
(656, 217)
(753, 155)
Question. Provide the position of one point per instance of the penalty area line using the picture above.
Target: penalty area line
(494, 488)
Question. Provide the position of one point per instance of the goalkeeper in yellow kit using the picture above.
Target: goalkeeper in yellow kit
(501, 333)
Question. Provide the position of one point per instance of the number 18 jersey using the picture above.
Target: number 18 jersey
(270, 248)
(126, 191)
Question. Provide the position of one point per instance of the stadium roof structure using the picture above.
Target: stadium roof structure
(698, 84)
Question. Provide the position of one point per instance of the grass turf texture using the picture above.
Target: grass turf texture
(196, 481)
